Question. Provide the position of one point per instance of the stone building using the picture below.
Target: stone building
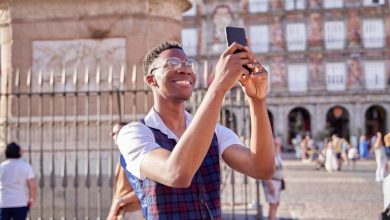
(328, 61)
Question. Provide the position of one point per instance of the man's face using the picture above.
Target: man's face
(170, 83)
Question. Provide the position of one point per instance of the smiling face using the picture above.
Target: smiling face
(168, 83)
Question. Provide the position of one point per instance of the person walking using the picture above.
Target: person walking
(386, 197)
(17, 185)
(172, 157)
(363, 147)
(125, 203)
(380, 157)
(331, 163)
(273, 187)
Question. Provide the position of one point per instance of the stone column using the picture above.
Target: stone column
(6, 68)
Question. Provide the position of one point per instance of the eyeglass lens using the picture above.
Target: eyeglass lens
(176, 63)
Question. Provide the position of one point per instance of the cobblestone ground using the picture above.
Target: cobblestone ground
(317, 194)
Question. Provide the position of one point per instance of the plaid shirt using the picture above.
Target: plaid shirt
(201, 200)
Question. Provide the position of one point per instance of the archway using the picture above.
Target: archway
(337, 122)
(375, 120)
(298, 123)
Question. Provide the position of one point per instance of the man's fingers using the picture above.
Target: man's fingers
(232, 48)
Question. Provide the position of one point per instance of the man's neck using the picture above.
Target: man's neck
(173, 116)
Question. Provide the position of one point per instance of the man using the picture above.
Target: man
(17, 185)
(172, 157)
(125, 203)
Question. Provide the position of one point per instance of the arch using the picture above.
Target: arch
(337, 121)
(299, 123)
(375, 120)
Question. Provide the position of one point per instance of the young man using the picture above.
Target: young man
(172, 157)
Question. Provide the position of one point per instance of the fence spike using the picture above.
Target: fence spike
(17, 75)
(86, 79)
(205, 73)
(52, 78)
(28, 81)
(122, 76)
(98, 75)
(63, 77)
(134, 76)
(110, 75)
(40, 77)
(75, 74)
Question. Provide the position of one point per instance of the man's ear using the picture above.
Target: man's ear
(150, 80)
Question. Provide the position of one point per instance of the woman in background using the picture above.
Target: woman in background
(273, 187)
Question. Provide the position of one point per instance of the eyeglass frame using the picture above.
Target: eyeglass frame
(181, 64)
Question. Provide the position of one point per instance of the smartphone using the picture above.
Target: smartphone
(236, 34)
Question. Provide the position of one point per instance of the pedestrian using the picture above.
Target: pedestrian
(273, 187)
(172, 157)
(125, 203)
(387, 143)
(17, 185)
(353, 155)
(331, 163)
(363, 147)
(380, 157)
(386, 197)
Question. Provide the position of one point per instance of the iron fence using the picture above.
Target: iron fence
(63, 121)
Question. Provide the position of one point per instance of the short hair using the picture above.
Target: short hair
(12, 150)
(153, 54)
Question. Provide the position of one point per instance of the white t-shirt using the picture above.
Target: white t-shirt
(135, 140)
(14, 191)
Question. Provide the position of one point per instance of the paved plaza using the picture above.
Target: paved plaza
(317, 194)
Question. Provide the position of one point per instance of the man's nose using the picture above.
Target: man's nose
(185, 69)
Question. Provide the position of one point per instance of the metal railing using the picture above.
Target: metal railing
(64, 124)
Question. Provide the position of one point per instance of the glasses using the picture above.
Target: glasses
(175, 63)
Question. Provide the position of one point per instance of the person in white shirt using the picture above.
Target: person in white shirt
(17, 185)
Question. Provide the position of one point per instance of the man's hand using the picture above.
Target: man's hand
(255, 86)
(230, 67)
(113, 214)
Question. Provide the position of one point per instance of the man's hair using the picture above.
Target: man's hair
(153, 54)
(12, 151)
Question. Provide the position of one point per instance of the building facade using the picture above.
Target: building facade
(328, 61)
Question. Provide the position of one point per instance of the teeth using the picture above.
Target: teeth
(183, 82)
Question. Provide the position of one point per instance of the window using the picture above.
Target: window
(191, 11)
(294, 4)
(258, 6)
(297, 77)
(374, 74)
(334, 35)
(335, 76)
(373, 33)
(259, 38)
(373, 2)
(333, 3)
(296, 37)
(189, 38)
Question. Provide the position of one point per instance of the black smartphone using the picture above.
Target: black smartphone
(236, 34)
